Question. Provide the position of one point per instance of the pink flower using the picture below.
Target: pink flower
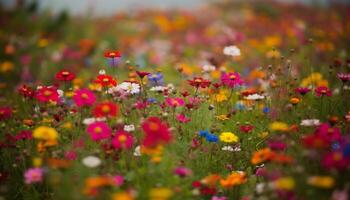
(183, 171)
(122, 140)
(335, 160)
(329, 132)
(84, 97)
(99, 131)
(182, 118)
(5, 113)
(47, 94)
(323, 91)
(33, 175)
(118, 180)
(231, 79)
(174, 102)
(71, 155)
(219, 198)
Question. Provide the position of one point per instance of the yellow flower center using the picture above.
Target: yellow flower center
(153, 126)
(98, 129)
(233, 77)
(84, 96)
(105, 109)
(105, 79)
(65, 73)
(122, 138)
(337, 156)
(47, 93)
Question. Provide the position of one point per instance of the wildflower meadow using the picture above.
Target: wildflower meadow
(230, 100)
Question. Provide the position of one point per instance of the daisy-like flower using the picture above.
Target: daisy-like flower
(174, 102)
(91, 120)
(122, 140)
(199, 82)
(99, 131)
(155, 79)
(65, 75)
(228, 137)
(232, 51)
(33, 175)
(105, 81)
(156, 132)
(255, 97)
(105, 109)
(91, 161)
(129, 128)
(323, 91)
(310, 122)
(84, 97)
(231, 79)
(46, 94)
(129, 88)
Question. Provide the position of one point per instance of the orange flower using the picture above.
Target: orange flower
(235, 178)
(58, 163)
(210, 180)
(261, 156)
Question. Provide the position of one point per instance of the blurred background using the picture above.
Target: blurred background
(108, 7)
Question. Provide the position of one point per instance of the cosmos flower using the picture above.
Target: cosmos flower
(231, 79)
(84, 97)
(47, 94)
(129, 88)
(199, 82)
(105, 81)
(105, 109)
(155, 79)
(33, 175)
(64, 75)
(156, 132)
(99, 131)
(122, 140)
(323, 91)
(174, 102)
(232, 51)
(182, 118)
(5, 112)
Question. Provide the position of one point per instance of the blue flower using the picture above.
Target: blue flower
(266, 110)
(155, 79)
(203, 133)
(152, 100)
(240, 106)
(346, 151)
(211, 138)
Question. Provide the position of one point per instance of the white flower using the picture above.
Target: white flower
(60, 93)
(255, 97)
(102, 72)
(130, 88)
(310, 122)
(91, 120)
(158, 88)
(259, 188)
(232, 51)
(137, 151)
(91, 161)
(129, 128)
(208, 68)
(227, 148)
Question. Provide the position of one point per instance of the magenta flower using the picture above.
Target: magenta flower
(33, 175)
(84, 97)
(99, 131)
(174, 102)
(328, 132)
(183, 171)
(343, 77)
(5, 112)
(335, 160)
(118, 180)
(182, 118)
(323, 91)
(231, 79)
(122, 140)
(302, 90)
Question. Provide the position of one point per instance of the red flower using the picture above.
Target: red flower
(65, 75)
(112, 54)
(142, 74)
(323, 91)
(106, 109)
(26, 91)
(199, 82)
(156, 132)
(106, 80)
(335, 160)
(122, 140)
(47, 94)
(246, 128)
(5, 113)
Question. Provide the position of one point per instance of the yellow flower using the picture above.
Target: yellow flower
(321, 181)
(160, 193)
(67, 125)
(228, 137)
(279, 126)
(122, 196)
(43, 42)
(222, 117)
(263, 134)
(285, 183)
(37, 162)
(294, 100)
(45, 133)
(221, 96)
(6, 66)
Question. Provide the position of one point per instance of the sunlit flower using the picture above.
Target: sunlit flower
(84, 97)
(228, 137)
(105, 109)
(45, 133)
